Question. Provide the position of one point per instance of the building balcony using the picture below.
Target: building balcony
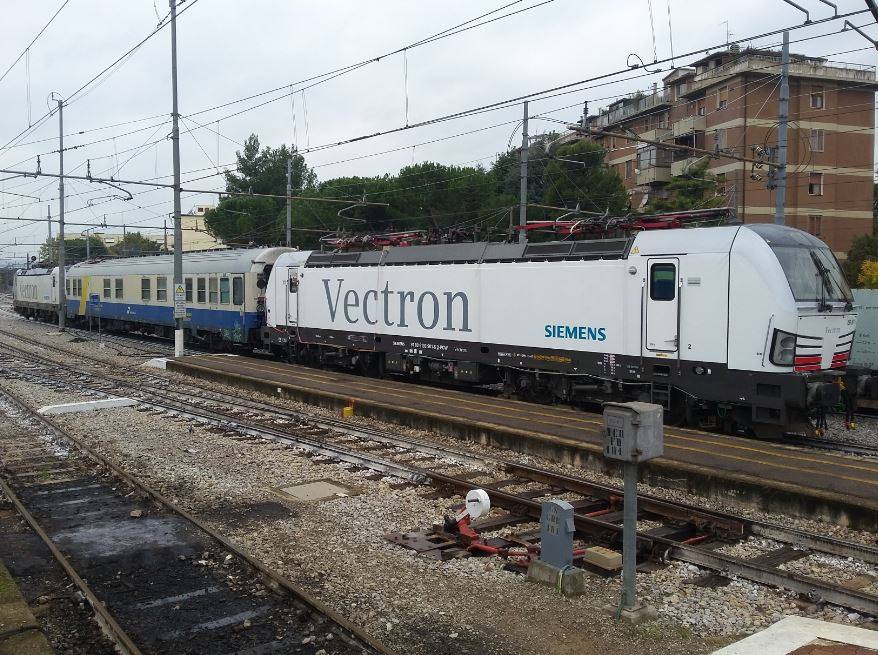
(653, 175)
(658, 134)
(689, 125)
(684, 166)
(767, 65)
(632, 107)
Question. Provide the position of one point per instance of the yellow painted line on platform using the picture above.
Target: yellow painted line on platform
(490, 408)
(782, 466)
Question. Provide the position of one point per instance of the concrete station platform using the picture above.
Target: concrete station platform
(775, 477)
(797, 635)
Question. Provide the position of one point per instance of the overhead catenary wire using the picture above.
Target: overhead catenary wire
(25, 52)
(73, 97)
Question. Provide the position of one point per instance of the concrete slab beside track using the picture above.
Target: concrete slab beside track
(773, 477)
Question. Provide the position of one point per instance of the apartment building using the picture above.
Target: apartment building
(727, 102)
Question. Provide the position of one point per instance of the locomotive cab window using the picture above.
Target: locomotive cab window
(663, 282)
(106, 287)
(120, 290)
(237, 291)
(224, 290)
(201, 291)
(145, 289)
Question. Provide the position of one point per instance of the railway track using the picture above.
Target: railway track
(158, 579)
(683, 532)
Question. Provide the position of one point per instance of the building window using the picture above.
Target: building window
(120, 290)
(816, 140)
(237, 291)
(188, 289)
(212, 295)
(161, 288)
(145, 289)
(722, 97)
(106, 287)
(814, 224)
(719, 139)
(201, 294)
(224, 290)
(629, 169)
(663, 282)
(815, 184)
(817, 97)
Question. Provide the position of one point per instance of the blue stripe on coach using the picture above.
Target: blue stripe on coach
(206, 319)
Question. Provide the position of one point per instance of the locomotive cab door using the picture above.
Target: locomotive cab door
(292, 296)
(662, 311)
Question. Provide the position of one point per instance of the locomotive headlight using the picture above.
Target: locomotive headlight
(783, 348)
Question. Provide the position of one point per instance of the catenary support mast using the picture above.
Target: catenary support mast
(522, 200)
(783, 117)
(62, 295)
(178, 231)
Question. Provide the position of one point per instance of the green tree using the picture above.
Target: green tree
(695, 190)
(134, 244)
(74, 249)
(864, 248)
(577, 175)
(244, 220)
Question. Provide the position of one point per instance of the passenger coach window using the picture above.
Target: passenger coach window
(188, 289)
(224, 290)
(67, 286)
(145, 289)
(201, 295)
(161, 288)
(663, 281)
(211, 291)
(237, 290)
(106, 287)
(120, 292)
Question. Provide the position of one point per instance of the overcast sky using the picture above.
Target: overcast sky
(232, 49)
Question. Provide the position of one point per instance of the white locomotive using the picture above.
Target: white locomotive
(729, 327)
(35, 293)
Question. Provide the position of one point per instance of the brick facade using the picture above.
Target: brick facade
(728, 103)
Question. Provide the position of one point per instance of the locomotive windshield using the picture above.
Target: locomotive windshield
(809, 265)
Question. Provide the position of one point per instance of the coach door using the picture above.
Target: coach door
(662, 331)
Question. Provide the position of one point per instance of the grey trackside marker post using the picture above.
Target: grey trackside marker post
(633, 432)
(556, 533)
(629, 536)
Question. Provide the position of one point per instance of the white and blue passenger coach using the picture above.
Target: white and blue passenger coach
(222, 287)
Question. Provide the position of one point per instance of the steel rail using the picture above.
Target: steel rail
(729, 565)
(724, 564)
(103, 617)
(273, 579)
(731, 525)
